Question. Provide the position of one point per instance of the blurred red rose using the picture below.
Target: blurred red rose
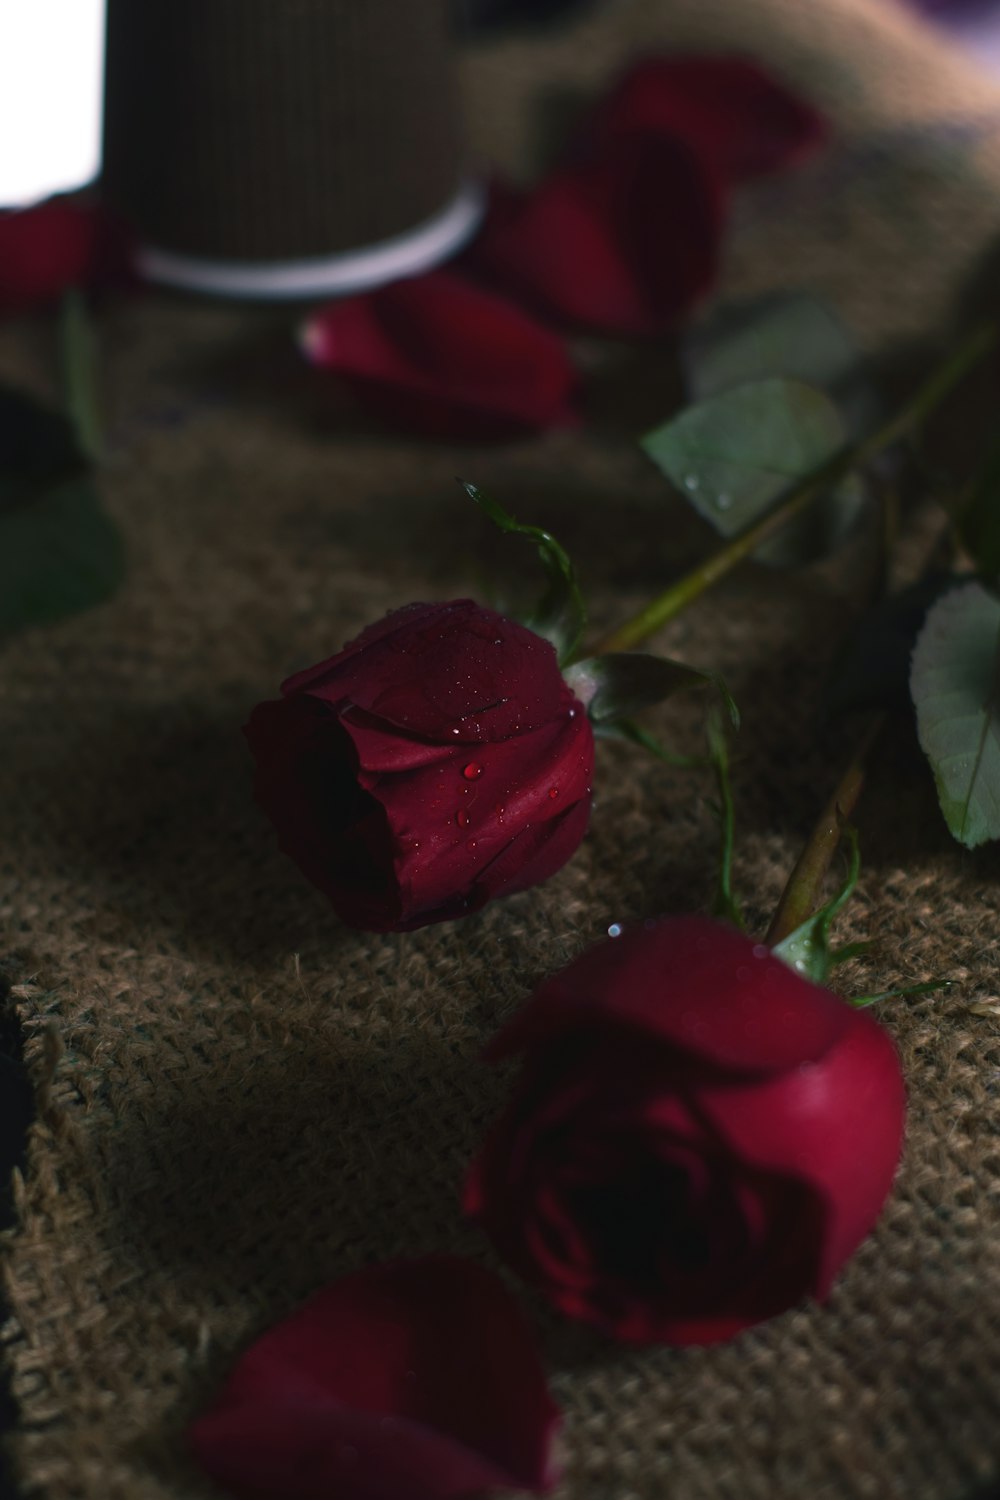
(416, 1379)
(700, 1137)
(53, 246)
(625, 240)
(624, 235)
(730, 112)
(438, 355)
(438, 761)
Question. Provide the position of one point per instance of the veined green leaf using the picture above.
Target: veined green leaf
(955, 682)
(735, 454)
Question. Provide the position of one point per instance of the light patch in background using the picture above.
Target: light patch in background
(51, 86)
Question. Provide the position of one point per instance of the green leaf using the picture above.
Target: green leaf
(807, 950)
(629, 730)
(955, 682)
(38, 448)
(560, 615)
(620, 684)
(783, 333)
(735, 455)
(979, 521)
(79, 360)
(58, 554)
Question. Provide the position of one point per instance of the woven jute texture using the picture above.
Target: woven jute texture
(238, 1099)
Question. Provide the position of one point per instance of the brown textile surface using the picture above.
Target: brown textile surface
(238, 1098)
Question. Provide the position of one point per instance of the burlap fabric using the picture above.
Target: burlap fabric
(237, 1098)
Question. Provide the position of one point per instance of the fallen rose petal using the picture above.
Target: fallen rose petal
(625, 241)
(55, 245)
(438, 355)
(730, 112)
(416, 1379)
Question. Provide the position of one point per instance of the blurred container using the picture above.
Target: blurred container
(285, 148)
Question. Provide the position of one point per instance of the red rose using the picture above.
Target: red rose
(53, 246)
(417, 1379)
(730, 112)
(438, 761)
(624, 239)
(624, 235)
(700, 1138)
(437, 355)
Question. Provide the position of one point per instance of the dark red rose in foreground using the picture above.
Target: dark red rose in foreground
(439, 761)
(417, 1379)
(437, 355)
(624, 235)
(53, 246)
(700, 1138)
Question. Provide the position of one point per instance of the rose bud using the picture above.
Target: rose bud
(700, 1138)
(438, 761)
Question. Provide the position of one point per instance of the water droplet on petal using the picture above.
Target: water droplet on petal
(500, 814)
(471, 844)
(615, 930)
(553, 791)
(462, 818)
(760, 950)
(456, 731)
(471, 771)
(691, 482)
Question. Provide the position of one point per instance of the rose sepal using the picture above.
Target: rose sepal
(560, 615)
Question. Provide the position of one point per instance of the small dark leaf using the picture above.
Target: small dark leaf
(58, 554)
(807, 950)
(872, 670)
(955, 681)
(736, 454)
(37, 449)
(621, 684)
(979, 521)
(560, 615)
(790, 334)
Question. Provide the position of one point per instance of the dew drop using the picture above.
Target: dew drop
(800, 964)
(500, 814)
(615, 930)
(760, 950)
(471, 771)
(691, 482)
(462, 818)
(471, 844)
(456, 731)
(553, 791)
(723, 502)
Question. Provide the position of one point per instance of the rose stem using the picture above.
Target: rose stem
(804, 887)
(682, 593)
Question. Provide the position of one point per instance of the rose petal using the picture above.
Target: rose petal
(624, 241)
(478, 674)
(441, 356)
(784, 1123)
(694, 984)
(728, 110)
(52, 246)
(418, 1378)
